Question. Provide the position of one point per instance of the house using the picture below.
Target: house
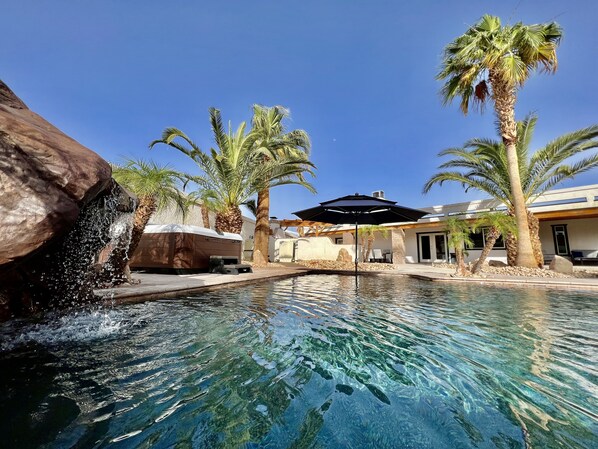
(568, 222)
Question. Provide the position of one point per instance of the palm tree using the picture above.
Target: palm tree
(482, 164)
(369, 234)
(497, 224)
(491, 61)
(459, 238)
(156, 187)
(251, 206)
(196, 200)
(273, 143)
(231, 174)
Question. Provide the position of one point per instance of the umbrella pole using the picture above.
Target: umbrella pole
(356, 250)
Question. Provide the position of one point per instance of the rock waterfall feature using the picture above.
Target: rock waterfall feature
(57, 203)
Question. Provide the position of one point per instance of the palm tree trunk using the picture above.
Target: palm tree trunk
(461, 268)
(511, 247)
(511, 243)
(262, 222)
(230, 220)
(363, 247)
(366, 247)
(504, 105)
(534, 231)
(145, 210)
(525, 252)
(205, 216)
(491, 237)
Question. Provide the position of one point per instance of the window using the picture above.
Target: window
(479, 239)
(338, 240)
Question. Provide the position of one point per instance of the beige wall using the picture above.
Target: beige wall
(171, 215)
(582, 233)
(309, 248)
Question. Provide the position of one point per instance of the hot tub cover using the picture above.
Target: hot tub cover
(189, 229)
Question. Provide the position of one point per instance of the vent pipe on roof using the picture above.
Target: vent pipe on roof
(378, 194)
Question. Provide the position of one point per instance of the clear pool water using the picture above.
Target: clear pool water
(310, 362)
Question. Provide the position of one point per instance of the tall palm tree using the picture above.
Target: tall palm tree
(231, 174)
(482, 164)
(273, 143)
(491, 61)
(459, 238)
(156, 187)
(496, 224)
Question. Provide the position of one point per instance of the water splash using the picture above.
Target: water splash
(68, 278)
(58, 330)
(116, 251)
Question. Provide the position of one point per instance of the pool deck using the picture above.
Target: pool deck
(156, 286)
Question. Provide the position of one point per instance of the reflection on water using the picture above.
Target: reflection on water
(310, 362)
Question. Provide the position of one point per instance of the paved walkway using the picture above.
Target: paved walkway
(155, 286)
(430, 273)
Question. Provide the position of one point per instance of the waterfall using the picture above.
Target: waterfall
(116, 251)
(67, 278)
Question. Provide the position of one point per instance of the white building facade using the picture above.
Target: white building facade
(568, 224)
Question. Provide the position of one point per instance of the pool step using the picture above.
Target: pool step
(237, 268)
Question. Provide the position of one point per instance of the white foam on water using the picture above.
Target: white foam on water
(77, 327)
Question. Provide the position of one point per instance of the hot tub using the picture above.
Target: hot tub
(183, 248)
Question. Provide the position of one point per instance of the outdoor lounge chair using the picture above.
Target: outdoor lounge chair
(377, 256)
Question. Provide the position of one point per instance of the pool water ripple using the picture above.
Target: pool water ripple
(310, 362)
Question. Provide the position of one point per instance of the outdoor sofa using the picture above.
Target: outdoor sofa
(584, 256)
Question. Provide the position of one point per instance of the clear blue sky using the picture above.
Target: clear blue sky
(359, 76)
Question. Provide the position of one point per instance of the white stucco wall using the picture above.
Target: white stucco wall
(411, 246)
(582, 233)
(309, 248)
(495, 254)
(383, 243)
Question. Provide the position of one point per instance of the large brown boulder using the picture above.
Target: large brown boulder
(344, 256)
(45, 179)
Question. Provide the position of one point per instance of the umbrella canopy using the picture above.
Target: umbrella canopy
(360, 209)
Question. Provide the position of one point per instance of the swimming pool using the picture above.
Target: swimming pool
(310, 361)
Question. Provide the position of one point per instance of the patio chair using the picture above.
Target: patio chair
(376, 255)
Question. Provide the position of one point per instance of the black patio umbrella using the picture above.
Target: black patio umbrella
(360, 209)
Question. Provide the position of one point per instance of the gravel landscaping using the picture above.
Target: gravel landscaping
(527, 272)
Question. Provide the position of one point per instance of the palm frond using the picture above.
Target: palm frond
(511, 53)
(148, 179)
